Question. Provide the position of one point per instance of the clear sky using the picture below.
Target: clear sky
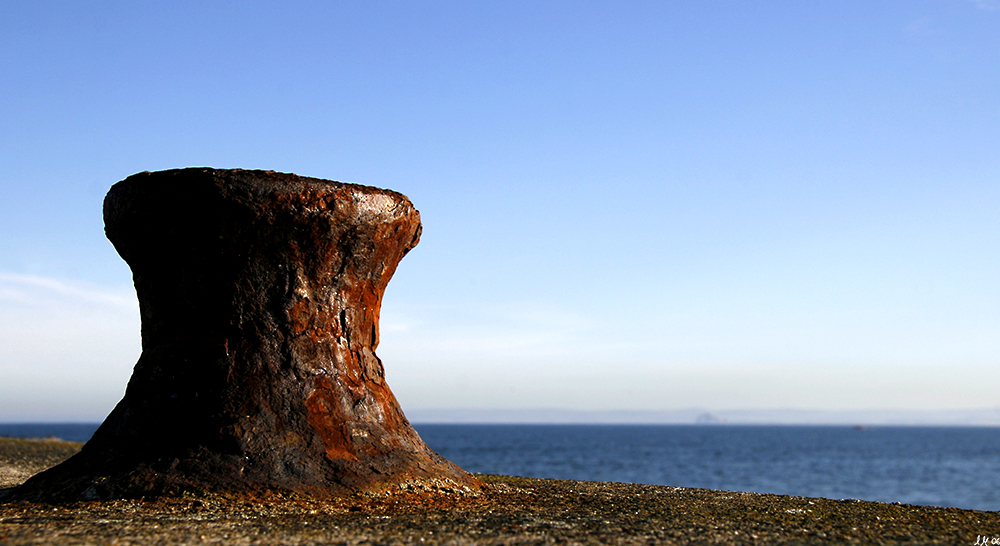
(626, 205)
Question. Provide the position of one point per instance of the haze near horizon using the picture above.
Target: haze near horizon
(645, 206)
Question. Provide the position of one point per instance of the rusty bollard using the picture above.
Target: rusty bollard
(259, 294)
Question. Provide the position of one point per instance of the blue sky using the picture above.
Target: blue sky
(633, 205)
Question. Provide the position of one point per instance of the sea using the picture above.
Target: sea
(934, 466)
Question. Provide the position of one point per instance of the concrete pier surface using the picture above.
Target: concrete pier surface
(508, 510)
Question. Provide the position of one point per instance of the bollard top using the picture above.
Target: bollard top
(155, 211)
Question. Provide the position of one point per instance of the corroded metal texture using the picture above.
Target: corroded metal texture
(259, 294)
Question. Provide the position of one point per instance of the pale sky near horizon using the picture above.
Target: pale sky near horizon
(638, 205)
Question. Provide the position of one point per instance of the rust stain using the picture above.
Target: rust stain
(322, 410)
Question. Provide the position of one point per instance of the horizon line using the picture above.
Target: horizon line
(982, 416)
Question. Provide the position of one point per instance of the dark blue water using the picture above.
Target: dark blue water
(938, 466)
(72, 432)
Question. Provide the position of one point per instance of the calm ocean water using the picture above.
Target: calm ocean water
(940, 466)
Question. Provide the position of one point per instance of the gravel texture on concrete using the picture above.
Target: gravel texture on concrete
(509, 510)
(20, 459)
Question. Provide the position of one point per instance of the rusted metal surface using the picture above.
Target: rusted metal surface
(259, 294)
